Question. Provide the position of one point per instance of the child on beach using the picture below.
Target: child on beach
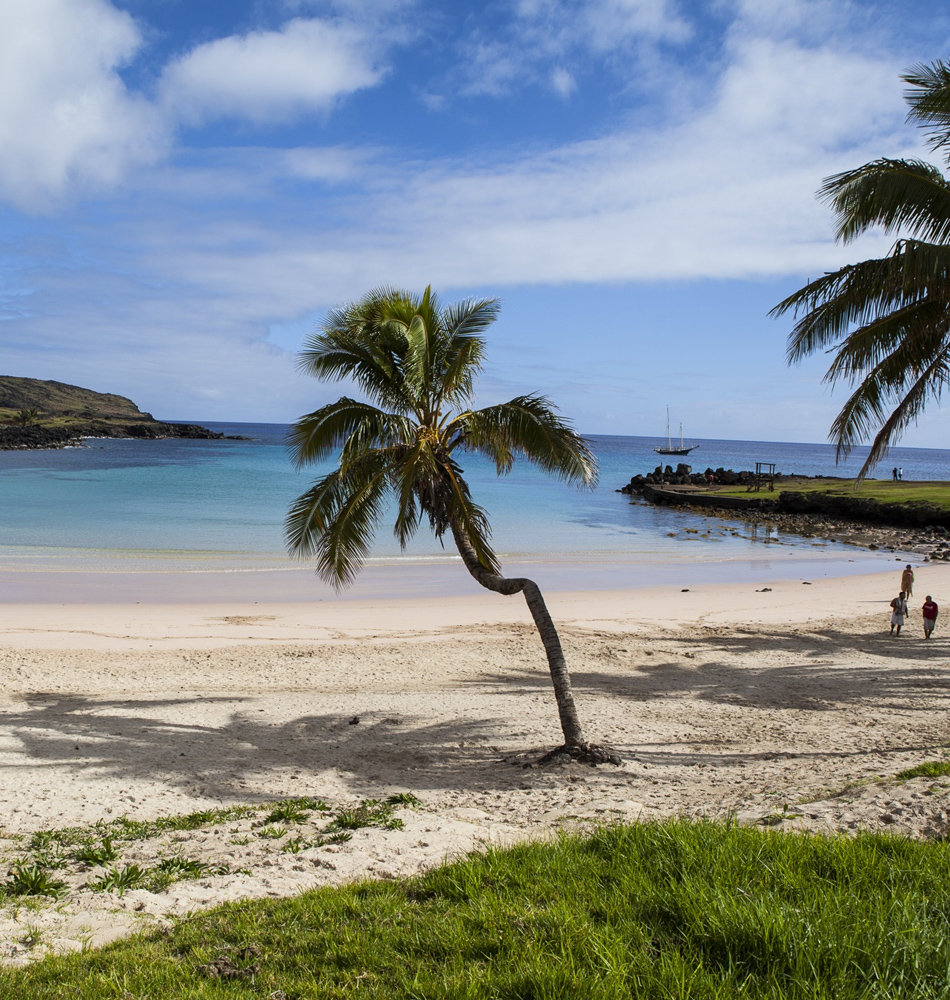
(930, 611)
(907, 581)
(898, 612)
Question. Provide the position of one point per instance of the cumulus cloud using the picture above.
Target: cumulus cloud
(305, 66)
(69, 123)
(66, 117)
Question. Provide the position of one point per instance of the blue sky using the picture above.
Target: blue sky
(186, 186)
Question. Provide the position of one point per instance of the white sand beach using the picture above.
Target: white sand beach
(787, 704)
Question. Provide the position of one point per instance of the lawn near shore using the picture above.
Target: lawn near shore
(673, 909)
(885, 491)
(747, 710)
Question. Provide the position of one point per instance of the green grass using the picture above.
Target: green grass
(678, 909)
(101, 845)
(84, 842)
(930, 769)
(886, 491)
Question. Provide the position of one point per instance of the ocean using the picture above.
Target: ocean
(217, 507)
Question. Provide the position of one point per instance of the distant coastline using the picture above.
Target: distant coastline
(37, 414)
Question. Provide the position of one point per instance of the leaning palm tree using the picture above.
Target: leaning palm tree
(886, 320)
(417, 361)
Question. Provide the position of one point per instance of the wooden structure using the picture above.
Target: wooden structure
(764, 476)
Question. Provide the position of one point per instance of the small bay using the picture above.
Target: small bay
(197, 506)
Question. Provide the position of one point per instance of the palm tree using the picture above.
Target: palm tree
(886, 320)
(26, 417)
(417, 362)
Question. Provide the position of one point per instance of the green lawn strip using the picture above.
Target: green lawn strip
(886, 491)
(673, 909)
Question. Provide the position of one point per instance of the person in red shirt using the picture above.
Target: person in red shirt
(929, 610)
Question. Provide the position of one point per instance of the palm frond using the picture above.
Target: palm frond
(929, 100)
(464, 324)
(858, 294)
(335, 520)
(369, 362)
(919, 330)
(928, 386)
(472, 519)
(404, 478)
(910, 195)
(530, 427)
(359, 426)
(868, 405)
(418, 362)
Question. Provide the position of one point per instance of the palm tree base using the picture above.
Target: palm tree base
(589, 753)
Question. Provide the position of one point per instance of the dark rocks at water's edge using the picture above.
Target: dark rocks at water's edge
(14, 438)
(683, 475)
(22, 438)
(912, 527)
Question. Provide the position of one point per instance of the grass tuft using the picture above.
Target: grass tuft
(33, 880)
(930, 769)
(370, 812)
(120, 880)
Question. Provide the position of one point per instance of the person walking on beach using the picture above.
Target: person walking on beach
(900, 473)
(894, 473)
(898, 612)
(930, 611)
(907, 581)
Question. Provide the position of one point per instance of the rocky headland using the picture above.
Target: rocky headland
(46, 414)
(914, 526)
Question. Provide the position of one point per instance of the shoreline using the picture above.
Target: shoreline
(705, 555)
(420, 618)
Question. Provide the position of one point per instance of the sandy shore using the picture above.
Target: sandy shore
(786, 704)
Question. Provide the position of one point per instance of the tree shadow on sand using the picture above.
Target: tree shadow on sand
(244, 756)
(709, 668)
(139, 740)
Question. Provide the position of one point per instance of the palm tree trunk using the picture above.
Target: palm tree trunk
(560, 678)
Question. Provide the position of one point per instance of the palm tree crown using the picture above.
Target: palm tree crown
(416, 361)
(886, 320)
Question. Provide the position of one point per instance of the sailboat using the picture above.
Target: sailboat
(671, 448)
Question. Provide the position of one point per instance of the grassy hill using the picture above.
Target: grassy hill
(46, 414)
(61, 403)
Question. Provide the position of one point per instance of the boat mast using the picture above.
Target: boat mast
(669, 440)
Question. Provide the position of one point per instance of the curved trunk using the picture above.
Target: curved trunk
(560, 678)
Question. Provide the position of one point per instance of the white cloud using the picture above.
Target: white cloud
(563, 82)
(726, 191)
(566, 32)
(65, 115)
(610, 23)
(68, 122)
(304, 67)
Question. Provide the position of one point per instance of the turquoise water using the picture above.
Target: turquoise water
(219, 505)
